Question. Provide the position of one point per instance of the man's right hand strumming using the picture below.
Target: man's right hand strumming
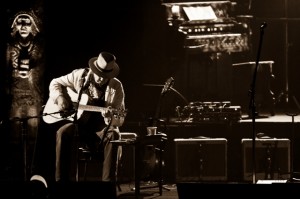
(62, 103)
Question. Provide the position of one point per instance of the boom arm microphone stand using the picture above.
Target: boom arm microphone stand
(252, 101)
(75, 121)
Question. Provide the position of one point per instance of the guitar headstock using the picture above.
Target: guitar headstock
(119, 112)
(168, 84)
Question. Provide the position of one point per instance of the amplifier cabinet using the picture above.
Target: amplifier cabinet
(201, 159)
(272, 159)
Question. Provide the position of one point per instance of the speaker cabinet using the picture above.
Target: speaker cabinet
(272, 159)
(201, 159)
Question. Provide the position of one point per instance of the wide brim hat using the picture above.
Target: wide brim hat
(104, 65)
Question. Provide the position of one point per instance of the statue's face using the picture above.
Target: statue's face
(24, 26)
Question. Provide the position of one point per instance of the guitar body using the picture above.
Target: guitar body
(52, 114)
(151, 167)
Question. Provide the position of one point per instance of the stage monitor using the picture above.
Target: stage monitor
(272, 159)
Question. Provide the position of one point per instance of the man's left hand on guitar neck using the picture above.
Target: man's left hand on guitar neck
(116, 119)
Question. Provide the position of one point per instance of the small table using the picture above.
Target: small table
(158, 141)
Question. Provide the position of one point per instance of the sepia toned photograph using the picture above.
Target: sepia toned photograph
(144, 99)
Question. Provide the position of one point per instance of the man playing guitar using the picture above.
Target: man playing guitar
(88, 102)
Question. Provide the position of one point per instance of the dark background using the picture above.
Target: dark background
(149, 51)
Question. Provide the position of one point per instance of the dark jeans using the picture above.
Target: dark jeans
(66, 149)
(57, 148)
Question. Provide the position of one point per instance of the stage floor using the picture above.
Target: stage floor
(278, 118)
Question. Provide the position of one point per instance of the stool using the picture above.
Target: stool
(85, 156)
(127, 138)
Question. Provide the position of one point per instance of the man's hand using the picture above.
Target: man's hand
(116, 118)
(62, 103)
(108, 113)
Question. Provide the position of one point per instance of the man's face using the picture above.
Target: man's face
(24, 26)
(100, 80)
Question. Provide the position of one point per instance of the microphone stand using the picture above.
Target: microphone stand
(75, 121)
(293, 114)
(252, 102)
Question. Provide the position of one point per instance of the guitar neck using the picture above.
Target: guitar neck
(167, 86)
(91, 108)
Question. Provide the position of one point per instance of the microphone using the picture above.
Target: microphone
(263, 25)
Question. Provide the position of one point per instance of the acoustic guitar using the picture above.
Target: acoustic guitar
(52, 114)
